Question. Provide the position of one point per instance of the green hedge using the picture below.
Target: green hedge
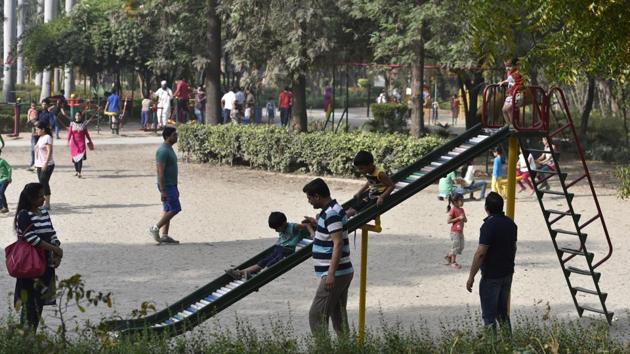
(275, 149)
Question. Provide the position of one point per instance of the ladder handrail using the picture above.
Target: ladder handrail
(565, 107)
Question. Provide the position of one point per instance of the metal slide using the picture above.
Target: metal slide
(224, 291)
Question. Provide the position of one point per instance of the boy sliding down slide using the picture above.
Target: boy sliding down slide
(289, 234)
(379, 185)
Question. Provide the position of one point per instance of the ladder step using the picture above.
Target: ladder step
(592, 309)
(552, 211)
(596, 275)
(589, 291)
(555, 192)
(562, 231)
(589, 255)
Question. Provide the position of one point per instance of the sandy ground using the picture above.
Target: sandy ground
(102, 221)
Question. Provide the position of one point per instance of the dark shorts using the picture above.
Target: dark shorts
(279, 252)
(172, 200)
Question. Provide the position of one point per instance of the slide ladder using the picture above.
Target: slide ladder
(570, 239)
(224, 291)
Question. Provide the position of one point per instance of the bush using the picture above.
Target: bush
(389, 117)
(275, 149)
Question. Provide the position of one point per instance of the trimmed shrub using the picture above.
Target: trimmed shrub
(275, 149)
(623, 173)
(389, 117)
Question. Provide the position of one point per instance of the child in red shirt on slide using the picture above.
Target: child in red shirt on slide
(456, 217)
(513, 82)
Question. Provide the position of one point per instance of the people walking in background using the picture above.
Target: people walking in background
(327, 101)
(5, 179)
(522, 171)
(44, 161)
(33, 225)
(271, 110)
(250, 106)
(112, 107)
(382, 97)
(182, 96)
(200, 105)
(164, 96)
(166, 163)
(145, 111)
(33, 116)
(77, 133)
(228, 102)
(454, 109)
(284, 103)
(239, 105)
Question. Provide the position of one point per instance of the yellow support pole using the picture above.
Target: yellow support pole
(363, 275)
(511, 180)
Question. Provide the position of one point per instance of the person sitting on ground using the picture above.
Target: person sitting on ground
(289, 234)
(469, 183)
(446, 185)
(379, 185)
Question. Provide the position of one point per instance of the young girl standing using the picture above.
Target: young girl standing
(33, 224)
(456, 217)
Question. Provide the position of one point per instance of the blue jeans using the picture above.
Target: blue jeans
(3, 198)
(144, 118)
(284, 116)
(199, 115)
(226, 115)
(495, 296)
(476, 185)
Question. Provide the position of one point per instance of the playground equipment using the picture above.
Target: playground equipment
(531, 120)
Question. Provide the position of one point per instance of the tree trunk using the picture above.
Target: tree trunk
(624, 112)
(299, 102)
(213, 70)
(588, 107)
(416, 99)
(69, 69)
(49, 10)
(9, 28)
(474, 89)
(20, 30)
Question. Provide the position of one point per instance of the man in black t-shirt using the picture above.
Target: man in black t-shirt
(495, 257)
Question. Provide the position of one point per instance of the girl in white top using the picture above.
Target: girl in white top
(523, 172)
(44, 158)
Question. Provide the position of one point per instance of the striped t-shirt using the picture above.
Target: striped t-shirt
(332, 219)
(35, 227)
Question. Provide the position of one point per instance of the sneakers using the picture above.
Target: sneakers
(154, 231)
(168, 240)
(4, 210)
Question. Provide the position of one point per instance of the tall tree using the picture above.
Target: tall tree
(20, 30)
(402, 36)
(213, 69)
(49, 13)
(9, 67)
(69, 70)
(284, 39)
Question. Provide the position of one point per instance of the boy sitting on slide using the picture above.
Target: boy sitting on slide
(379, 185)
(289, 234)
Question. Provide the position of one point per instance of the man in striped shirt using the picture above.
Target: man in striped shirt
(331, 255)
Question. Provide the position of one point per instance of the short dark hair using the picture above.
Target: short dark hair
(494, 203)
(168, 131)
(363, 158)
(277, 219)
(317, 187)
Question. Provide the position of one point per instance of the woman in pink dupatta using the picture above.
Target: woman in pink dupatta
(77, 132)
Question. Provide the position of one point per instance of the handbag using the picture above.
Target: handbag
(90, 145)
(24, 260)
